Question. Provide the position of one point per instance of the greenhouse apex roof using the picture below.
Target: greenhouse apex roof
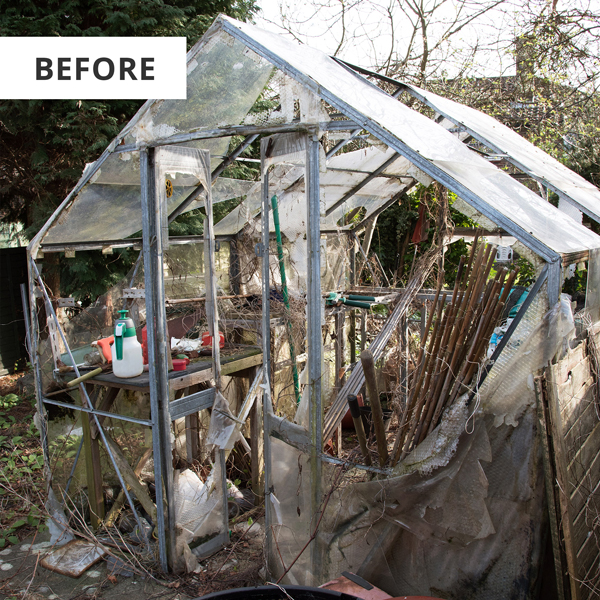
(493, 192)
(227, 72)
(529, 158)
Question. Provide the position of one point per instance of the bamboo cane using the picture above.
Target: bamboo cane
(501, 303)
(482, 329)
(423, 395)
(368, 364)
(455, 344)
(419, 370)
(448, 341)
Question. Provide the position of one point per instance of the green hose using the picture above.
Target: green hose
(356, 303)
(286, 299)
(364, 298)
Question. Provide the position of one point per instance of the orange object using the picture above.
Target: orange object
(355, 586)
(347, 422)
(104, 344)
(145, 344)
(207, 340)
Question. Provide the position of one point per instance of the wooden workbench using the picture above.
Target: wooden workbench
(196, 372)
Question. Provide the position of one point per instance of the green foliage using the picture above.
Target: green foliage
(33, 519)
(392, 227)
(90, 273)
(21, 463)
(9, 401)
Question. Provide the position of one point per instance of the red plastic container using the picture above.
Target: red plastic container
(179, 364)
(207, 340)
(145, 344)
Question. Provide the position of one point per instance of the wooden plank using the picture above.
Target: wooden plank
(585, 521)
(582, 428)
(240, 365)
(587, 487)
(196, 372)
(577, 404)
(558, 444)
(575, 381)
(93, 466)
(132, 480)
(105, 404)
(183, 381)
(591, 577)
(588, 553)
(549, 477)
(192, 439)
(585, 455)
(561, 370)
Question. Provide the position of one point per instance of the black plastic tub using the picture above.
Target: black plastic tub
(274, 592)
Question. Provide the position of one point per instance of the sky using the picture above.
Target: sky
(378, 30)
(378, 33)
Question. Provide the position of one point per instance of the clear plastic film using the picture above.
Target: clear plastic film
(508, 389)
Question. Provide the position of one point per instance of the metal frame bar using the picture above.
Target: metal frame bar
(101, 413)
(214, 175)
(205, 134)
(313, 334)
(158, 368)
(393, 142)
(188, 405)
(99, 244)
(210, 275)
(266, 349)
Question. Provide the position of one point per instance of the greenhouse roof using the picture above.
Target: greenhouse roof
(228, 70)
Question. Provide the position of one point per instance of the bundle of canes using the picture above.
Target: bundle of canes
(457, 344)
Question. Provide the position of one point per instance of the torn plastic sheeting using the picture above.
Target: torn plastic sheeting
(447, 505)
(58, 526)
(290, 517)
(502, 565)
(224, 427)
(198, 512)
(194, 501)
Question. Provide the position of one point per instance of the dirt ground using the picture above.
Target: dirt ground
(237, 565)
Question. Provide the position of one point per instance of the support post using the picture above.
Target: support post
(266, 349)
(157, 355)
(314, 308)
(210, 275)
(352, 334)
(93, 466)
(33, 333)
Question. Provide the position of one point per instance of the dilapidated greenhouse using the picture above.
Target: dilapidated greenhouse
(479, 477)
